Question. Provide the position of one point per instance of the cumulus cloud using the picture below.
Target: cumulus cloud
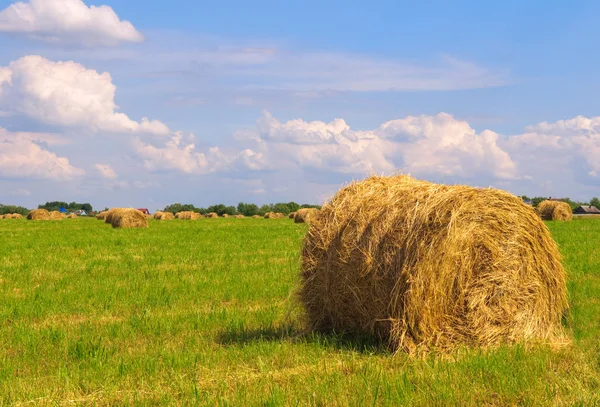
(420, 145)
(106, 171)
(179, 153)
(67, 21)
(22, 158)
(67, 94)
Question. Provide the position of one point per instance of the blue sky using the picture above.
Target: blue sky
(274, 101)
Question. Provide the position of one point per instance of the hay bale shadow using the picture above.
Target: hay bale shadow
(241, 336)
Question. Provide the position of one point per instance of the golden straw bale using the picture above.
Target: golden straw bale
(101, 215)
(225, 215)
(424, 267)
(274, 215)
(56, 215)
(554, 210)
(71, 216)
(126, 218)
(239, 216)
(211, 215)
(292, 215)
(164, 216)
(17, 216)
(38, 214)
(111, 213)
(305, 215)
(188, 215)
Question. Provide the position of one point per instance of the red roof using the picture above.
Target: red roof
(144, 210)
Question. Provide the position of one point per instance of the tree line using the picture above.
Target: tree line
(573, 204)
(243, 208)
(69, 207)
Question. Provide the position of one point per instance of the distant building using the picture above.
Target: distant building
(144, 211)
(587, 209)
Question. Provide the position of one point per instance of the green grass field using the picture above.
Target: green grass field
(201, 312)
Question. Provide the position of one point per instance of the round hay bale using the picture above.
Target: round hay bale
(38, 214)
(305, 215)
(211, 215)
(164, 216)
(56, 215)
(111, 213)
(256, 217)
(102, 215)
(225, 215)
(292, 215)
(425, 266)
(274, 215)
(554, 210)
(129, 218)
(188, 215)
(239, 216)
(71, 216)
(17, 216)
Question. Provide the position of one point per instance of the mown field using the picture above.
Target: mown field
(202, 312)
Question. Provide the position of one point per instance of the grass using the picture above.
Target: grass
(200, 312)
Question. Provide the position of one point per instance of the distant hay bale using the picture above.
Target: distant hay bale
(129, 218)
(274, 215)
(72, 216)
(56, 215)
(38, 214)
(554, 210)
(211, 215)
(239, 216)
(305, 215)
(102, 215)
(256, 217)
(424, 267)
(225, 215)
(188, 215)
(164, 216)
(292, 215)
(17, 216)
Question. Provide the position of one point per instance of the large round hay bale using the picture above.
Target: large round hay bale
(425, 266)
(17, 216)
(292, 215)
(129, 218)
(38, 214)
(225, 215)
(305, 215)
(164, 216)
(211, 215)
(274, 215)
(111, 213)
(554, 210)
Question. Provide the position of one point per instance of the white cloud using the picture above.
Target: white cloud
(106, 171)
(68, 94)
(419, 145)
(179, 153)
(22, 158)
(68, 21)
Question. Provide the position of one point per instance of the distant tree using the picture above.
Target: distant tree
(265, 208)
(70, 207)
(536, 201)
(293, 206)
(230, 210)
(595, 202)
(282, 208)
(219, 209)
(177, 207)
(4, 209)
(525, 198)
(247, 209)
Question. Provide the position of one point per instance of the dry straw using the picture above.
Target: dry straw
(274, 215)
(239, 216)
(38, 214)
(17, 216)
(128, 218)
(56, 215)
(425, 266)
(554, 210)
(164, 216)
(102, 215)
(72, 216)
(111, 213)
(305, 215)
(211, 215)
(225, 215)
(188, 215)
(292, 215)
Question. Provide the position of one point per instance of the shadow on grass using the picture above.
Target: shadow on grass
(242, 336)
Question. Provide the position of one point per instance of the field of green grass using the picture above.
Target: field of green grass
(202, 312)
